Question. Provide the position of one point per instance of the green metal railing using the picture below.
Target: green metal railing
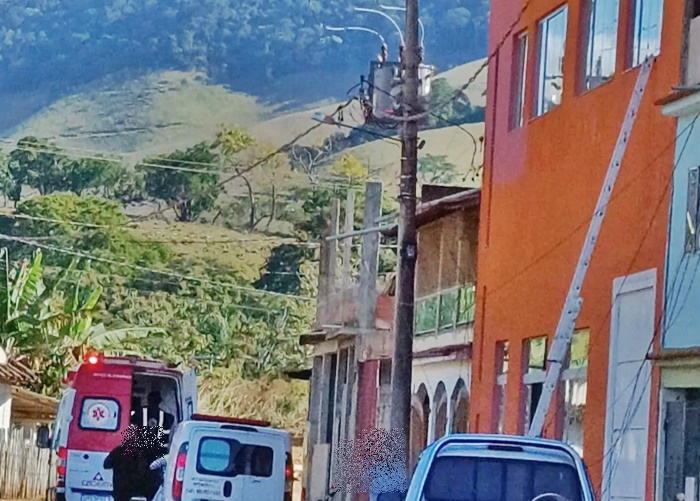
(446, 310)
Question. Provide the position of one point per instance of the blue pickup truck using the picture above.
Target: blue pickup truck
(497, 468)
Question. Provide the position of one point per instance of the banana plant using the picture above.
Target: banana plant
(55, 329)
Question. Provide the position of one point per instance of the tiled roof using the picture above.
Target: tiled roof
(16, 373)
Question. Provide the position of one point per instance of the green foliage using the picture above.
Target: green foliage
(51, 324)
(434, 169)
(223, 391)
(283, 271)
(39, 164)
(105, 233)
(350, 168)
(450, 111)
(188, 193)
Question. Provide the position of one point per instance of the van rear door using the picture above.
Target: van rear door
(235, 463)
(189, 392)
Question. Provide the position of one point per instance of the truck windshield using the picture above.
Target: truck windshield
(458, 478)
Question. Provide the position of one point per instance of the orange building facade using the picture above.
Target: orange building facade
(558, 90)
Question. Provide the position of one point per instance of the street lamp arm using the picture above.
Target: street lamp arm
(384, 14)
(356, 28)
(403, 9)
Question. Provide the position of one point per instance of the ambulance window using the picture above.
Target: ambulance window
(99, 414)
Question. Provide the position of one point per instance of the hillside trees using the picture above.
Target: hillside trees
(41, 165)
(188, 193)
(270, 40)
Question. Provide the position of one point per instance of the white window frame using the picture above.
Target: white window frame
(637, 54)
(521, 46)
(573, 374)
(542, 68)
(503, 356)
(593, 41)
(537, 376)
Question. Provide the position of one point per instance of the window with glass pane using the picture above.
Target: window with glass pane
(518, 82)
(646, 38)
(448, 310)
(578, 353)
(501, 380)
(601, 54)
(550, 78)
(535, 351)
(537, 354)
(467, 303)
(691, 219)
(574, 389)
(426, 315)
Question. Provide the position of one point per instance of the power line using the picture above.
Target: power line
(155, 282)
(580, 226)
(145, 269)
(420, 116)
(268, 157)
(171, 241)
(657, 328)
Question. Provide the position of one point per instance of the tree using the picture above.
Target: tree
(350, 168)
(41, 165)
(310, 159)
(283, 271)
(6, 182)
(451, 110)
(36, 163)
(188, 193)
(434, 169)
(89, 224)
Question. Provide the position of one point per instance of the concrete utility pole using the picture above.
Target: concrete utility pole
(405, 293)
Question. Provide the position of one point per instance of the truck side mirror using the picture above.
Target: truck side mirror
(43, 437)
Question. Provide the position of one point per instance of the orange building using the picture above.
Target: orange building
(558, 90)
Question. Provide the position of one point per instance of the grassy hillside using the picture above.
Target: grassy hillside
(150, 114)
(460, 75)
(454, 143)
(246, 253)
(281, 129)
(163, 111)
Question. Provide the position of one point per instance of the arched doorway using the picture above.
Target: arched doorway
(440, 403)
(460, 408)
(420, 413)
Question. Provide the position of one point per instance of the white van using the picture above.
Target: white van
(224, 459)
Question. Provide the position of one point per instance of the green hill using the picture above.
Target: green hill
(150, 114)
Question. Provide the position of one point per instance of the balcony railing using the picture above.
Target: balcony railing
(693, 72)
(446, 310)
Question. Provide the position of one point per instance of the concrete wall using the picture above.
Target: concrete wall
(682, 287)
(5, 406)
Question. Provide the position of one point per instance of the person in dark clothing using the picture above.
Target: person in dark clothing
(135, 408)
(130, 463)
(153, 416)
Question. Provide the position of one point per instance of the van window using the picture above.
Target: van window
(455, 478)
(225, 457)
(99, 414)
